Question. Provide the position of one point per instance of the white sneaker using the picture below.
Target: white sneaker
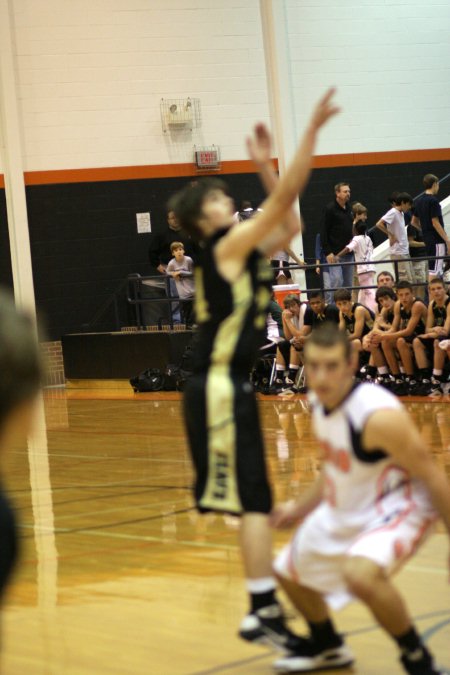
(330, 659)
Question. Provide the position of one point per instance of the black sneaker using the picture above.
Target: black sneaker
(386, 381)
(436, 388)
(309, 657)
(413, 388)
(267, 626)
(400, 387)
(420, 662)
(424, 387)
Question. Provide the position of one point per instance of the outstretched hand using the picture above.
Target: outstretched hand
(325, 109)
(259, 145)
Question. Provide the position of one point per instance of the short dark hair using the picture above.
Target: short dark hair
(312, 295)
(404, 284)
(402, 198)
(342, 294)
(20, 365)
(187, 204)
(328, 335)
(386, 273)
(385, 292)
(360, 227)
(290, 298)
(437, 280)
(429, 180)
(338, 186)
(393, 196)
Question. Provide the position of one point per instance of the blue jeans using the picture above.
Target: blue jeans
(326, 280)
(341, 276)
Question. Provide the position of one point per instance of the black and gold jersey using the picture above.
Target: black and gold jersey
(405, 316)
(440, 313)
(350, 320)
(231, 316)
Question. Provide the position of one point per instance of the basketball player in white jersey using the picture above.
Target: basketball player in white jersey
(378, 497)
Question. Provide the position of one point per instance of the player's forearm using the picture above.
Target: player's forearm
(381, 226)
(310, 500)
(440, 230)
(343, 252)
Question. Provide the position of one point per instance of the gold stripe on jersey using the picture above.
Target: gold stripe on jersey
(200, 302)
(221, 491)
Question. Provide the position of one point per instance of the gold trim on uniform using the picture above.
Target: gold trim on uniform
(221, 491)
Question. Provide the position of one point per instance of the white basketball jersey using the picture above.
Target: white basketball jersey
(361, 484)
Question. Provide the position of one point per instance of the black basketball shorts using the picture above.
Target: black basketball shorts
(226, 444)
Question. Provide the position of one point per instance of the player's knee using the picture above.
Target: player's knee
(360, 577)
(401, 343)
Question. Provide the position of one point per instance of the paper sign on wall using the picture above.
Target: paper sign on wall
(144, 224)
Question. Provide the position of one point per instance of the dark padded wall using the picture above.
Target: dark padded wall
(84, 240)
(5, 258)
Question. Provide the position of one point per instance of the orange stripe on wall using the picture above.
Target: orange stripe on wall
(392, 157)
(229, 167)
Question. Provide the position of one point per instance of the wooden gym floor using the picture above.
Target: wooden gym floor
(118, 573)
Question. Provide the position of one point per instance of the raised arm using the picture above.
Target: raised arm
(259, 150)
(245, 237)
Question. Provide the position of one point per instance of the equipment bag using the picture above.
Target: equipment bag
(151, 379)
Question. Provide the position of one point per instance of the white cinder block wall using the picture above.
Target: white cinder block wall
(390, 60)
(92, 73)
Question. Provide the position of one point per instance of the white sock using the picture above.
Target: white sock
(437, 372)
(262, 585)
(293, 366)
(382, 370)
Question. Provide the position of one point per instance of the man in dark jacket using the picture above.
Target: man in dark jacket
(337, 231)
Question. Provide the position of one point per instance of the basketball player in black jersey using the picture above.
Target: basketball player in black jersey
(377, 368)
(438, 317)
(233, 288)
(355, 319)
(410, 316)
(19, 384)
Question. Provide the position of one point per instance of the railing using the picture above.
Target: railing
(135, 281)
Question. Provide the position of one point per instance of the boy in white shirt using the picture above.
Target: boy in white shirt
(181, 268)
(362, 247)
(392, 224)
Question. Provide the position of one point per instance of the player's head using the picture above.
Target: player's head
(385, 278)
(437, 289)
(431, 182)
(343, 300)
(405, 292)
(177, 250)
(203, 208)
(316, 302)
(19, 367)
(403, 201)
(329, 363)
(385, 297)
(292, 303)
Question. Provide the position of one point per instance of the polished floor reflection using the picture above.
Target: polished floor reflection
(118, 573)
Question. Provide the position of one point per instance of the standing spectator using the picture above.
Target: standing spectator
(321, 259)
(159, 255)
(392, 224)
(361, 245)
(417, 249)
(280, 262)
(428, 214)
(337, 232)
(181, 269)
